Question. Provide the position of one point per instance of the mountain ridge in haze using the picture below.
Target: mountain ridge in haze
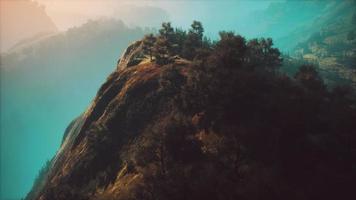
(21, 19)
(62, 69)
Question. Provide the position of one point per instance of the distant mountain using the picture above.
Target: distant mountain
(332, 45)
(21, 19)
(283, 19)
(317, 31)
(52, 80)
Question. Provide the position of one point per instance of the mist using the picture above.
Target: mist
(47, 80)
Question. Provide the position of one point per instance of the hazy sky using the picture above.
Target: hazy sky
(215, 14)
(34, 126)
(25, 150)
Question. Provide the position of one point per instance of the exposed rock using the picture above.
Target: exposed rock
(132, 56)
(186, 130)
(130, 96)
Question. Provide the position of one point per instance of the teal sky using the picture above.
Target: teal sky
(215, 15)
(33, 122)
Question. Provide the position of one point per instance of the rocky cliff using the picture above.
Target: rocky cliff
(208, 129)
(126, 103)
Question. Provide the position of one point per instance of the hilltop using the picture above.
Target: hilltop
(182, 117)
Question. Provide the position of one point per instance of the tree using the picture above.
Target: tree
(166, 43)
(167, 31)
(148, 44)
(161, 50)
(306, 72)
(309, 78)
(194, 40)
(197, 30)
(261, 53)
(230, 49)
(180, 36)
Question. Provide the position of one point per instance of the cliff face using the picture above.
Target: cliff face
(23, 72)
(214, 128)
(89, 159)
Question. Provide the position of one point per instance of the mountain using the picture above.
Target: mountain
(22, 19)
(224, 125)
(65, 70)
(288, 22)
(333, 45)
(317, 32)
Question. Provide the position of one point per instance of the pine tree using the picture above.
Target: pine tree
(194, 40)
(167, 31)
(161, 50)
(148, 45)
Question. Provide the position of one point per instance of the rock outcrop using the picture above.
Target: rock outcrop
(131, 97)
(209, 129)
(132, 56)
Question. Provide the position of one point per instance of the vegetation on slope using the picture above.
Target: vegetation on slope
(223, 124)
(331, 44)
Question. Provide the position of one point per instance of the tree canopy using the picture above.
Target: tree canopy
(231, 49)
